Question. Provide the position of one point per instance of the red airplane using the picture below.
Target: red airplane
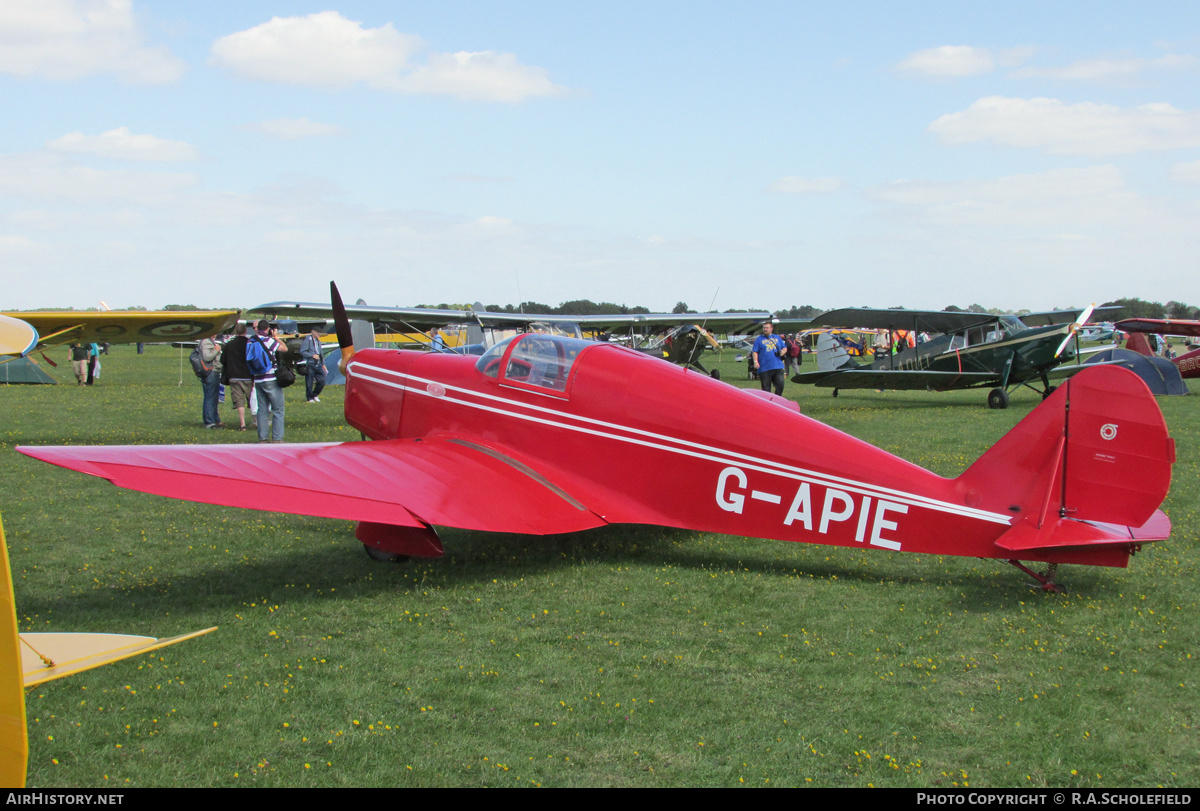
(511, 442)
(1188, 363)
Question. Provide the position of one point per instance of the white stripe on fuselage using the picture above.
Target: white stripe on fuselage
(683, 447)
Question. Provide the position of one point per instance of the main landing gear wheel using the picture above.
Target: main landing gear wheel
(715, 374)
(378, 555)
(835, 392)
(997, 398)
(1048, 392)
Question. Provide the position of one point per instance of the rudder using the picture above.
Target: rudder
(1096, 450)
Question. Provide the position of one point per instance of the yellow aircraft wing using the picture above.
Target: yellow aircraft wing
(124, 326)
(29, 659)
(17, 337)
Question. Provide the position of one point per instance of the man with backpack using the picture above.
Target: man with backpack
(262, 350)
(210, 378)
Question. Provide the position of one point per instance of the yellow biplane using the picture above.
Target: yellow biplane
(22, 332)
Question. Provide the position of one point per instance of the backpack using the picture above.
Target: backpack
(198, 366)
(258, 360)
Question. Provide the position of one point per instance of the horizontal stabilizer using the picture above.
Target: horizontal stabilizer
(74, 653)
(1067, 532)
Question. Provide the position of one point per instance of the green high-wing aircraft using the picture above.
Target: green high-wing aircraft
(969, 350)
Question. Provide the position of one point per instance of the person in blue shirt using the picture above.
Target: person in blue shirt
(767, 354)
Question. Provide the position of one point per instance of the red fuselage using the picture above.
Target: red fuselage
(638, 440)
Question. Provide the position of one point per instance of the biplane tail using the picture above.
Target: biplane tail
(1138, 342)
(32, 658)
(831, 355)
(1083, 475)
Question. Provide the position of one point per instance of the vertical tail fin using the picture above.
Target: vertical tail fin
(1139, 343)
(831, 355)
(1097, 450)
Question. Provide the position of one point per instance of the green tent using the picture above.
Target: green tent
(24, 370)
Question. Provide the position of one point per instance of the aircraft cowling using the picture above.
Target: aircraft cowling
(374, 402)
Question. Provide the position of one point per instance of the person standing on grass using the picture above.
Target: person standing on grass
(266, 388)
(767, 354)
(93, 363)
(210, 356)
(79, 363)
(314, 366)
(235, 375)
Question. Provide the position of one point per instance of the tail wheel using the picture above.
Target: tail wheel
(997, 398)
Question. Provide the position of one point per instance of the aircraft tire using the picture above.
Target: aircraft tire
(835, 392)
(997, 398)
(1048, 392)
(378, 555)
(715, 374)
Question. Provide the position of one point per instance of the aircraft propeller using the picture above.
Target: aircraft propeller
(1073, 330)
(342, 325)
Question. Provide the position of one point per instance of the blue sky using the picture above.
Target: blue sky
(735, 154)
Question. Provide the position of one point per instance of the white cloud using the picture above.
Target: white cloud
(471, 178)
(292, 129)
(323, 49)
(43, 176)
(806, 185)
(1055, 199)
(15, 242)
(1107, 70)
(68, 39)
(1186, 172)
(328, 50)
(949, 61)
(1070, 129)
(480, 76)
(121, 144)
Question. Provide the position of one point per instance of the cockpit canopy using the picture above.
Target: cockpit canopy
(537, 361)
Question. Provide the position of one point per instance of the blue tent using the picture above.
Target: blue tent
(1159, 374)
(24, 370)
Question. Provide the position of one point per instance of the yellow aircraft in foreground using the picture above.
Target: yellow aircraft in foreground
(22, 332)
(29, 659)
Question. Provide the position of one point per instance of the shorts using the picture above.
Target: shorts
(239, 391)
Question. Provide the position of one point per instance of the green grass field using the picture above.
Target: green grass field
(628, 656)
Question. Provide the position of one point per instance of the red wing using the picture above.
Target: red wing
(445, 482)
(1162, 326)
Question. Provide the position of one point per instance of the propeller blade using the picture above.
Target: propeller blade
(1085, 315)
(342, 325)
(1065, 341)
(1073, 330)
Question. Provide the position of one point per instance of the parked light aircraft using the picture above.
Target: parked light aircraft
(1188, 363)
(973, 350)
(524, 440)
(687, 332)
(22, 332)
(32, 658)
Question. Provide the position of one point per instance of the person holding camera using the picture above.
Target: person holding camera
(266, 387)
